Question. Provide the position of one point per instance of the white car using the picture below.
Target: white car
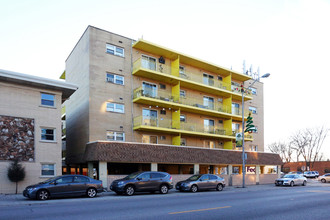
(325, 178)
(309, 174)
(291, 180)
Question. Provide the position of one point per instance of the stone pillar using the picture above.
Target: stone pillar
(154, 167)
(90, 169)
(279, 171)
(230, 172)
(196, 168)
(103, 173)
(257, 174)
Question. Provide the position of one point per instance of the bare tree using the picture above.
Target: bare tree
(308, 143)
(283, 149)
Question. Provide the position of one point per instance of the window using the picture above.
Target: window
(162, 86)
(80, 179)
(181, 70)
(235, 127)
(149, 117)
(115, 50)
(48, 134)
(254, 91)
(254, 148)
(182, 93)
(47, 99)
(253, 110)
(208, 102)
(183, 142)
(208, 79)
(163, 112)
(115, 107)
(209, 125)
(148, 62)
(149, 89)
(205, 177)
(63, 180)
(235, 108)
(115, 136)
(212, 177)
(182, 118)
(47, 169)
(220, 78)
(209, 144)
(144, 176)
(162, 137)
(113, 78)
(149, 139)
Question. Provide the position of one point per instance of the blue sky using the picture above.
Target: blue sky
(289, 39)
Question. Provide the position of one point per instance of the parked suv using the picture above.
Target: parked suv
(143, 182)
(309, 174)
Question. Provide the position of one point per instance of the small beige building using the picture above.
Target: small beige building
(30, 126)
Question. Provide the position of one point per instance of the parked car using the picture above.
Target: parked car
(201, 182)
(325, 178)
(291, 180)
(316, 174)
(295, 172)
(63, 186)
(309, 174)
(143, 182)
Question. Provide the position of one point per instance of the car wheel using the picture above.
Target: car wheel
(219, 187)
(43, 194)
(91, 192)
(163, 189)
(194, 188)
(304, 183)
(129, 190)
(292, 183)
(323, 181)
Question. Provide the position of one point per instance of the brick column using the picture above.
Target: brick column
(154, 167)
(196, 168)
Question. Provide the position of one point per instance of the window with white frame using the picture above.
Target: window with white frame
(253, 110)
(115, 107)
(149, 89)
(116, 79)
(48, 134)
(235, 108)
(254, 148)
(208, 79)
(182, 93)
(208, 102)
(148, 62)
(115, 50)
(183, 142)
(47, 169)
(47, 99)
(254, 91)
(182, 118)
(235, 127)
(115, 136)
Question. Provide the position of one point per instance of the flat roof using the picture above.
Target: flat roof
(67, 89)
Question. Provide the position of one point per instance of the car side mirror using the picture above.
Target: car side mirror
(139, 178)
(54, 183)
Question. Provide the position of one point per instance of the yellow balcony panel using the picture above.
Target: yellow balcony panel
(238, 96)
(189, 60)
(150, 74)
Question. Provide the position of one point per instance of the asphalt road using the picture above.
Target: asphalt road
(257, 202)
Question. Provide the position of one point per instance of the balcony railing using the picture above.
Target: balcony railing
(194, 102)
(170, 124)
(166, 69)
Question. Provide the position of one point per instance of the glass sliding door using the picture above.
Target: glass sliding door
(149, 117)
(149, 89)
(148, 62)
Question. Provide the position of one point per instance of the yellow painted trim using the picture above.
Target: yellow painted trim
(176, 140)
(175, 67)
(176, 119)
(228, 145)
(62, 75)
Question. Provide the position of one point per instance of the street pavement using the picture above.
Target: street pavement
(252, 202)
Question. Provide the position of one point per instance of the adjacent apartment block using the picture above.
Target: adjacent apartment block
(140, 92)
(30, 126)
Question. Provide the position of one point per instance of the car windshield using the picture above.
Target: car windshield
(194, 177)
(132, 176)
(288, 176)
(49, 180)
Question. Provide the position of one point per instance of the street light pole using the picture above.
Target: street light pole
(243, 122)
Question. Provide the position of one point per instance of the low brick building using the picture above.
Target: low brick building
(30, 126)
(321, 166)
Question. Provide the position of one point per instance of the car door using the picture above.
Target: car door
(61, 186)
(143, 182)
(297, 180)
(203, 182)
(80, 184)
(212, 181)
(156, 179)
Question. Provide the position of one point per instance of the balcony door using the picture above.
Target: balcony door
(149, 89)
(209, 125)
(235, 108)
(208, 102)
(148, 62)
(149, 117)
(208, 79)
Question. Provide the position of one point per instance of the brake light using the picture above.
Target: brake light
(171, 178)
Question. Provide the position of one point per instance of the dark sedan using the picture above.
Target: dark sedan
(201, 182)
(63, 186)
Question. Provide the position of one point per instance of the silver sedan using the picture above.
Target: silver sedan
(291, 180)
(201, 182)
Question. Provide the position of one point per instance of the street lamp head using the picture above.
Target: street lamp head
(265, 75)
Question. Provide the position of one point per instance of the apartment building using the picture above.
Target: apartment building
(142, 93)
(30, 126)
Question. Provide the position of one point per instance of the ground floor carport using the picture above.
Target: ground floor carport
(111, 160)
